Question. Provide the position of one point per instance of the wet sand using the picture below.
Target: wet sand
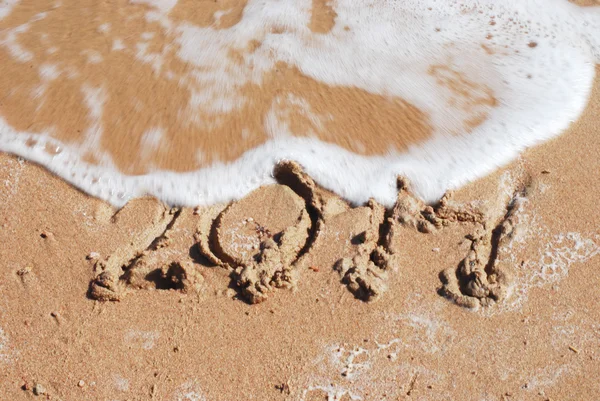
(186, 314)
(90, 72)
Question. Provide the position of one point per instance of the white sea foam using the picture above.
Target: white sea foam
(540, 72)
(6, 7)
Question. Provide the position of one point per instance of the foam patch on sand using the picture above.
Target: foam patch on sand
(189, 391)
(545, 378)
(514, 251)
(7, 353)
(3, 346)
(141, 339)
(6, 7)
(349, 372)
(381, 367)
(556, 254)
(536, 58)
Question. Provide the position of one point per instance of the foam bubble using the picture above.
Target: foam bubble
(536, 57)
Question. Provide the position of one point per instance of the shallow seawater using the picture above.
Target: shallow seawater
(196, 101)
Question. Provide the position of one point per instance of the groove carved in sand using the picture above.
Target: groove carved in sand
(258, 239)
(483, 277)
(149, 262)
(273, 257)
(366, 273)
(266, 240)
(410, 211)
(106, 286)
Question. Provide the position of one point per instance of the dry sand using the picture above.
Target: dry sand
(339, 303)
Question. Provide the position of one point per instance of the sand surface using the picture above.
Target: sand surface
(98, 70)
(291, 294)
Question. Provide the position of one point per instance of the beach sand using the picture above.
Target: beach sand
(169, 106)
(492, 295)
(290, 293)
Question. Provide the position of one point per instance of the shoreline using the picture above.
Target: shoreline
(185, 332)
(240, 85)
